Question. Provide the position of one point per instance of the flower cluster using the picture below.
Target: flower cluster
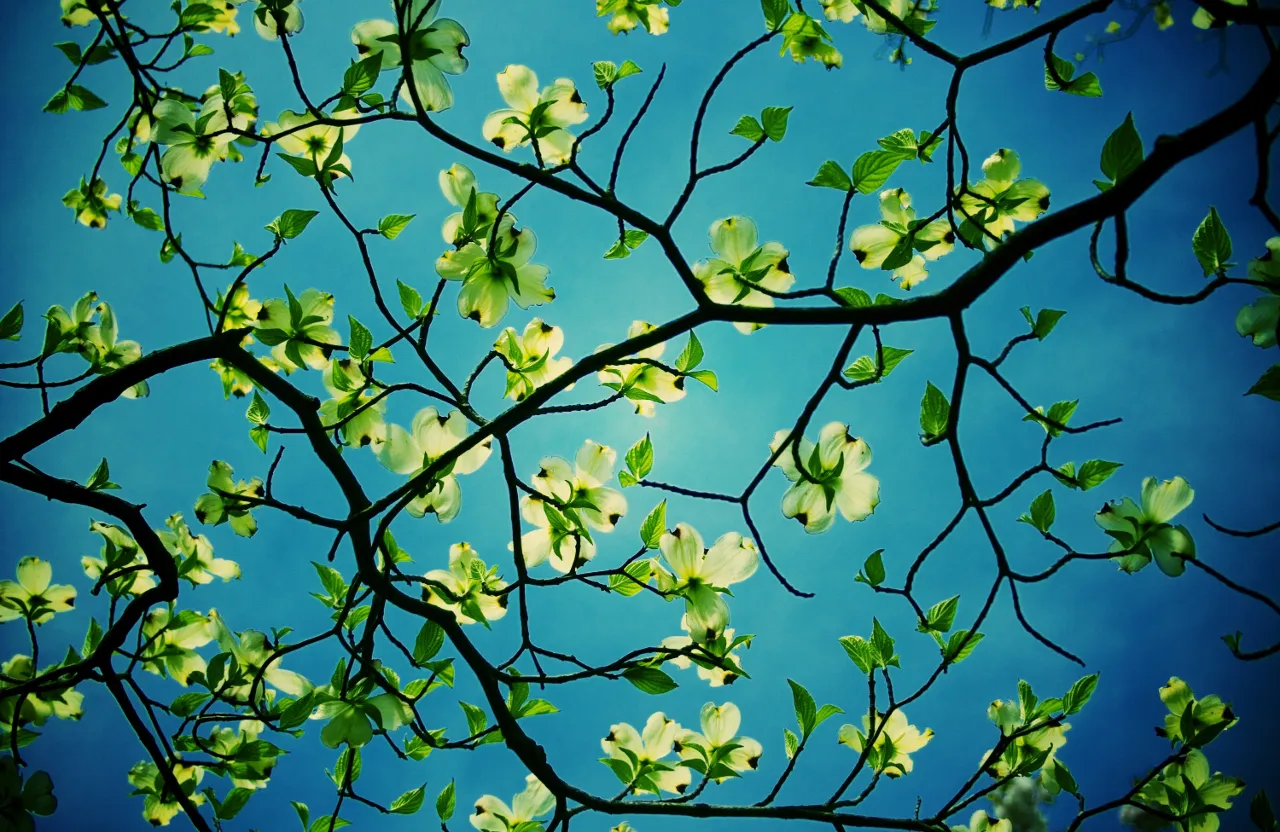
(571, 500)
(718, 753)
(1142, 533)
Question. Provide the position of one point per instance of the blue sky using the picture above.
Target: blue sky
(1174, 374)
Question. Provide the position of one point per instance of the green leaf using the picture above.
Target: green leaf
(188, 703)
(361, 339)
(445, 802)
(873, 168)
(1043, 513)
(654, 525)
(1261, 813)
(692, 354)
(628, 69)
(430, 640)
(391, 225)
(1044, 321)
(92, 638)
(362, 75)
(1086, 85)
(775, 122)
(707, 377)
(864, 369)
(83, 99)
(935, 411)
(831, 175)
(942, 615)
(883, 643)
(775, 11)
(861, 652)
(409, 802)
(1268, 385)
(641, 571)
(791, 742)
(1212, 244)
(233, 803)
(749, 129)
(806, 708)
(1095, 472)
(71, 50)
(258, 411)
(148, 219)
(606, 72)
(100, 479)
(1079, 695)
(872, 569)
(617, 251)
(853, 298)
(292, 223)
(227, 85)
(651, 680)
(410, 300)
(477, 719)
(1122, 152)
(260, 436)
(11, 324)
(960, 645)
(640, 458)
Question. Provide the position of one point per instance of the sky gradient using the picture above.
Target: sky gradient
(1175, 376)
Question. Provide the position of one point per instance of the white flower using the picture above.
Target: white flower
(472, 591)
(437, 46)
(269, 28)
(530, 357)
(492, 815)
(873, 245)
(642, 383)
(993, 205)
(1144, 532)
(32, 596)
(545, 115)
(740, 268)
(581, 487)
(643, 753)
(717, 674)
(701, 575)
(722, 752)
(895, 742)
(491, 280)
(410, 452)
(832, 477)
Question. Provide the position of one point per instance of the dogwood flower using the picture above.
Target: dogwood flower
(119, 552)
(81, 12)
(1208, 714)
(723, 649)
(298, 329)
(436, 43)
(804, 38)
(32, 596)
(170, 642)
(195, 141)
(194, 554)
(701, 575)
(741, 268)
(492, 279)
(640, 755)
(255, 656)
(628, 14)
(350, 710)
(980, 821)
(556, 538)
(718, 751)
(302, 135)
(1187, 789)
(1260, 319)
(896, 240)
(469, 589)
(160, 805)
(95, 341)
(992, 206)
(91, 202)
(541, 117)
(529, 357)
(831, 476)
(224, 21)
(273, 18)
(581, 487)
(1144, 532)
(908, 11)
(254, 760)
(225, 502)
(39, 705)
(841, 10)
(350, 394)
(458, 184)
(492, 815)
(895, 742)
(644, 384)
(431, 437)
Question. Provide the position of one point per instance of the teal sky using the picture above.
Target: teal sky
(1174, 374)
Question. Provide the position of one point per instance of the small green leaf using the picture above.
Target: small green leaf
(628, 69)
(1095, 472)
(148, 219)
(872, 569)
(1268, 385)
(749, 129)
(960, 645)
(292, 223)
(391, 225)
(1086, 85)
(806, 708)
(430, 640)
(1079, 695)
(935, 411)
(791, 742)
(853, 297)
(1122, 152)
(409, 802)
(654, 526)
(831, 175)
(260, 436)
(1045, 321)
(883, 643)
(775, 122)
(410, 300)
(11, 324)
(640, 458)
(873, 168)
(606, 72)
(362, 75)
(1043, 512)
(258, 411)
(1261, 813)
(100, 479)
(941, 616)
(1212, 244)
(775, 11)
(445, 802)
(651, 680)
(691, 356)
(864, 369)
(361, 339)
